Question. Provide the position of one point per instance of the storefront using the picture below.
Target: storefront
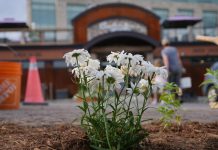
(101, 29)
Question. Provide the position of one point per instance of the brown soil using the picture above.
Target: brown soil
(188, 136)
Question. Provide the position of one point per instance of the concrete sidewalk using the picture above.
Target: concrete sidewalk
(66, 111)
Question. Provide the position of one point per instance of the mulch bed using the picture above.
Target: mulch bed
(187, 136)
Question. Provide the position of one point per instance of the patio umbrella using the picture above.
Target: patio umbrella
(180, 22)
(12, 25)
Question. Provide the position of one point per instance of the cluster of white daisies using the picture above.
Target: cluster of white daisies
(87, 69)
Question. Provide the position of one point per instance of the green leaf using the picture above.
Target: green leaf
(113, 108)
(208, 81)
(145, 120)
(171, 105)
(85, 105)
(82, 108)
(116, 94)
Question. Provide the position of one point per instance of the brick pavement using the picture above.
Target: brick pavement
(66, 111)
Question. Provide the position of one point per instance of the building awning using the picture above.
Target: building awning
(13, 26)
(180, 22)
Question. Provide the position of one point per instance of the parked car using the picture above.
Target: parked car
(208, 89)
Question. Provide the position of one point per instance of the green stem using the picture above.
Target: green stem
(127, 77)
(126, 82)
(146, 95)
(106, 128)
(143, 105)
(130, 100)
(83, 90)
(115, 110)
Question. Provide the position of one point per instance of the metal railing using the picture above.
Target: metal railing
(39, 36)
(188, 35)
(65, 36)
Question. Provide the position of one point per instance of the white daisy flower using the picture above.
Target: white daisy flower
(138, 57)
(113, 57)
(76, 72)
(143, 85)
(80, 54)
(157, 85)
(94, 63)
(162, 71)
(124, 70)
(125, 59)
(133, 89)
(148, 68)
(114, 76)
(97, 79)
(136, 70)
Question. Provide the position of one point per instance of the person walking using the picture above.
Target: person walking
(172, 61)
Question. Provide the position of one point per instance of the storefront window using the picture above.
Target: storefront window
(185, 12)
(59, 64)
(72, 11)
(43, 13)
(182, 33)
(40, 64)
(163, 14)
(191, 1)
(210, 22)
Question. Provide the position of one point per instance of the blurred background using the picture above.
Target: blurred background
(48, 29)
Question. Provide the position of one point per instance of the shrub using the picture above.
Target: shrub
(212, 79)
(170, 105)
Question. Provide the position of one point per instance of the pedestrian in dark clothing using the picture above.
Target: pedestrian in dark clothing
(172, 61)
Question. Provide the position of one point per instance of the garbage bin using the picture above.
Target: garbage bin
(10, 85)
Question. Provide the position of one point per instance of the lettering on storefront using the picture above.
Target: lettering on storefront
(6, 90)
(114, 25)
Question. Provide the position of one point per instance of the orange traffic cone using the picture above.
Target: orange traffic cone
(33, 94)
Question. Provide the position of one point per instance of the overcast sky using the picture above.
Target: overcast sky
(13, 9)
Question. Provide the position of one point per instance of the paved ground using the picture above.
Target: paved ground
(66, 111)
